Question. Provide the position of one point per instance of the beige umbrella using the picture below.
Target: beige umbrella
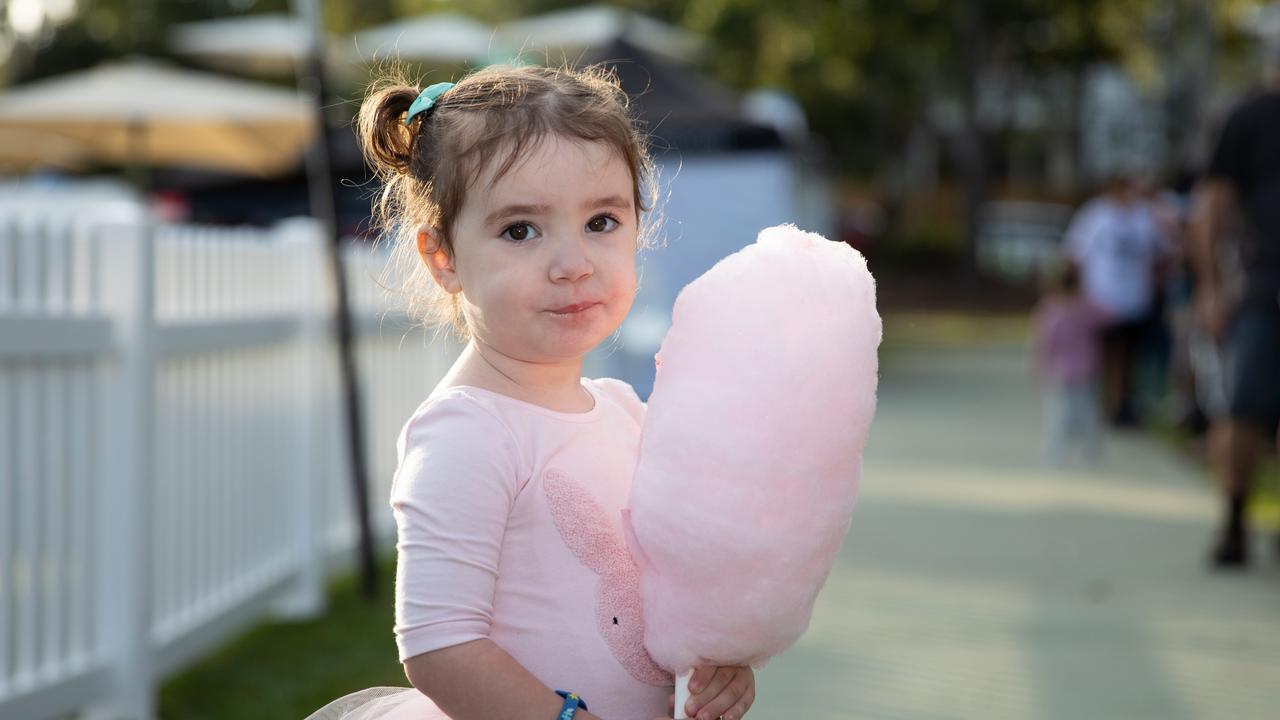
(24, 150)
(141, 112)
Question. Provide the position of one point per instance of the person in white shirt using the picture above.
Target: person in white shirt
(1117, 241)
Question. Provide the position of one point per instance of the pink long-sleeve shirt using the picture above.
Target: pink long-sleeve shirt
(508, 518)
(1068, 340)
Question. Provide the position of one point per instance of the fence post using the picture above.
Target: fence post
(123, 513)
(303, 240)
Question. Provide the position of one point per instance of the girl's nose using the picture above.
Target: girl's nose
(570, 262)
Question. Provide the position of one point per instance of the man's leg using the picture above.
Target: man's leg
(1239, 449)
(1253, 402)
(1112, 370)
(1131, 346)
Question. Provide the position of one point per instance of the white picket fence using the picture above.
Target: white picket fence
(172, 461)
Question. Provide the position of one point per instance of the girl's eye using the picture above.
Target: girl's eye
(602, 223)
(519, 232)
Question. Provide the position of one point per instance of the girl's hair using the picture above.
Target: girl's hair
(1062, 278)
(498, 112)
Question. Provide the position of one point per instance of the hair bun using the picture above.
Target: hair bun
(386, 142)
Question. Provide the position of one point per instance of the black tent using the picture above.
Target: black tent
(679, 107)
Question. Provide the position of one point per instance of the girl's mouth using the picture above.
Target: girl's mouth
(573, 309)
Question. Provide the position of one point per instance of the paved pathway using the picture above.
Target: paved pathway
(977, 583)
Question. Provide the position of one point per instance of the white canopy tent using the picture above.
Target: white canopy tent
(447, 37)
(586, 26)
(271, 44)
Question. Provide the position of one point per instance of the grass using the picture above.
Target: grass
(1264, 509)
(291, 669)
(905, 327)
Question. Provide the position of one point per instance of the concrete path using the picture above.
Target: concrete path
(977, 583)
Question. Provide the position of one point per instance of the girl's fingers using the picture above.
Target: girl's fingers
(726, 688)
(711, 689)
(698, 682)
(741, 707)
(701, 676)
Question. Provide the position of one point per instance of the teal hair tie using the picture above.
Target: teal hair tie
(426, 100)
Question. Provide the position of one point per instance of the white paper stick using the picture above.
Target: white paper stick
(682, 694)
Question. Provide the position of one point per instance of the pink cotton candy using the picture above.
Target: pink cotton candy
(752, 448)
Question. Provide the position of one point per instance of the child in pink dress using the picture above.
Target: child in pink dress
(1068, 352)
(517, 195)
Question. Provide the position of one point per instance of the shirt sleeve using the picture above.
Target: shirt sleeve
(451, 496)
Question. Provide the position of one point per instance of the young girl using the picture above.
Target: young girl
(1068, 350)
(518, 194)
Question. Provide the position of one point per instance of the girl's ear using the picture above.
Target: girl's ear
(437, 260)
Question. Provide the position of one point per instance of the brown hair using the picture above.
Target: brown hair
(427, 168)
(1062, 278)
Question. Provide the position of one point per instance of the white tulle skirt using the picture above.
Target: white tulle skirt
(381, 703)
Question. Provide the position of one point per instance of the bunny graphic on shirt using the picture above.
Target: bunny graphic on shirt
(585, 529)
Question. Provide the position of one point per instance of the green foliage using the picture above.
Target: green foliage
(867, 71)
(928, 245)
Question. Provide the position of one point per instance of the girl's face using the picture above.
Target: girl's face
(545, 256)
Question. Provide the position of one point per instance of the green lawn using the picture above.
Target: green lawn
(286, 670)
(955, 328)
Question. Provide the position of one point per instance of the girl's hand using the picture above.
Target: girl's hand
(717, 692)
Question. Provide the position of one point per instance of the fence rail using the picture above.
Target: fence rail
(172, 464)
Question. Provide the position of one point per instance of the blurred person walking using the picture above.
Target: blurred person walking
(1243, 182)
(1068, 353)
(1185, 405)
(1119, 244)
